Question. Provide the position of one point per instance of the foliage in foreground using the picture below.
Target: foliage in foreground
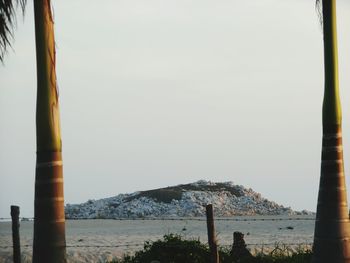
(174, 248)
(283, 253)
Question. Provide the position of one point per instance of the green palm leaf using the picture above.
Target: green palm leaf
(7, 22)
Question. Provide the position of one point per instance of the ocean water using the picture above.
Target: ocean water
(95, 240)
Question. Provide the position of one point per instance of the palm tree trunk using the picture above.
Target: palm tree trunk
(49, 223)
(332, 228)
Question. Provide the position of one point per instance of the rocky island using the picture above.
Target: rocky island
(186, 200)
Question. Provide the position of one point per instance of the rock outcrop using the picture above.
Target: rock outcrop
(187, 200)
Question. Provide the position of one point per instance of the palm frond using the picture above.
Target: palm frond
(8, 22)
(319, 11)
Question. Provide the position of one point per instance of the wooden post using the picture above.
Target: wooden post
(15, 234)
(211, 235)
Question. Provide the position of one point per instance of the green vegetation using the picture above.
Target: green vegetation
(166, 195)
(175, 249)
(283, 253)
(162, 195)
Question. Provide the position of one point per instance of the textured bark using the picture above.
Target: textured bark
(332, 227)
(49, 223)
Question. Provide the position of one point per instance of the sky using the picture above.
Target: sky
(155, 93)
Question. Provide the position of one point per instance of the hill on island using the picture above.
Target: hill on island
(185, 200)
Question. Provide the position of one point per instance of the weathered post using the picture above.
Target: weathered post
(239, 251)
(15, 234)
(214, 255)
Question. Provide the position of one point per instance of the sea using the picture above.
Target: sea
(101, 240)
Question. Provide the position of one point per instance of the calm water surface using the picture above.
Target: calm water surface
(120, 236)
(257, 230)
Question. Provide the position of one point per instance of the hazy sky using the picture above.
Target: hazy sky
(161, 92)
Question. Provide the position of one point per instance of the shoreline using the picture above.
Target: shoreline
(96, 240)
